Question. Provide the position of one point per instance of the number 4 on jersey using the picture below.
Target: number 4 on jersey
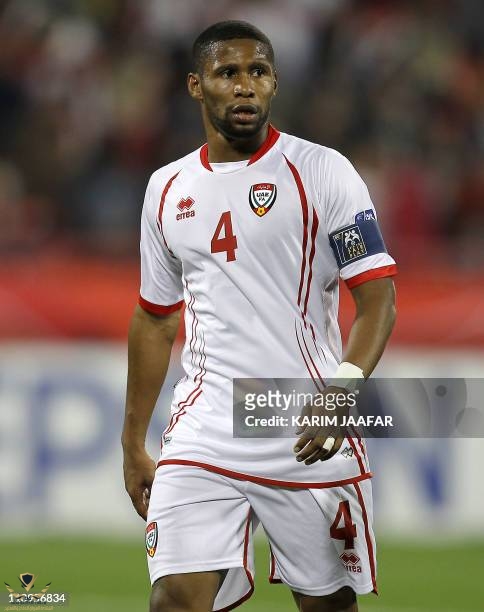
(226, 243)
(348, 531)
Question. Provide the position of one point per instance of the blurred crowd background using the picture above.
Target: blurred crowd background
(93, 99)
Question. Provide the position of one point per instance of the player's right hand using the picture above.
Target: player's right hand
(139, 473)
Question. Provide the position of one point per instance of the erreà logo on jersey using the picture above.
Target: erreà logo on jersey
(262, 197)
(184, 206)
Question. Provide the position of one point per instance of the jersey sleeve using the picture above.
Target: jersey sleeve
(353, 231)
(161, 289)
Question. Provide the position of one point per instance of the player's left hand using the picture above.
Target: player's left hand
(320, 443)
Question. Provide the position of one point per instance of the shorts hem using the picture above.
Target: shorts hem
(245, 597)
(197, 567)
(332, 588)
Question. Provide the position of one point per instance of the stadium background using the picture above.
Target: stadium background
(92, 100)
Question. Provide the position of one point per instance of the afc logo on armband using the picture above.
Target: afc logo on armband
(184, 206)
(349, 243)
(357, 240)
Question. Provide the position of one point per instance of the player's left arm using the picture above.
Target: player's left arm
(373, 323)
(372, 326)
(364, 264)
(366, 267)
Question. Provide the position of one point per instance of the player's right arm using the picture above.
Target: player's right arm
(151, 336)
(150, 342)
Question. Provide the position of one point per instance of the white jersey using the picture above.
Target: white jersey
(256, 254)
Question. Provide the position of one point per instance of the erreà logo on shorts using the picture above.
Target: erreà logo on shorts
(151, 538)
(351, 561)
(184, 206)
(262, 197)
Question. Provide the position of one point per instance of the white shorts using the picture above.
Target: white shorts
(320, 539)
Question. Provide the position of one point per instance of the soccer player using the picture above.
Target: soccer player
(252, 232)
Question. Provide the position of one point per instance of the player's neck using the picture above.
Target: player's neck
(221, 149)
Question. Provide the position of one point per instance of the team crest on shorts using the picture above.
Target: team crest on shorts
(262, 197)
(151, 538)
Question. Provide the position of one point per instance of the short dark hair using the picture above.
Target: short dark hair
(227, 30)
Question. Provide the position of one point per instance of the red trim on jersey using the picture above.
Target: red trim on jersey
(305, 360)
(194, 327)
(177, 416)
(160, 209)
(313, 335)
(357, 455)
(360, 444)
(197, 390)
(358, 437)
(271, 139)
(201, 371)
(265, 481)
(304, 208)
(192, 396)
(158, 309)
(369, 544)
(194, 323)
(247, 571)
(369, 275)
(311, 358)
(204, 157)
(169, 427)
(314, 230)
(312, 250)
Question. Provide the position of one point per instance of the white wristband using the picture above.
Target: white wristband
(347, 376)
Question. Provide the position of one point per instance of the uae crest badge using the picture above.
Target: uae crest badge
(262, 197)
(151, 538)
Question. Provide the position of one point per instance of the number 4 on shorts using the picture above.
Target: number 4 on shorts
(227, 243)
(348, 531)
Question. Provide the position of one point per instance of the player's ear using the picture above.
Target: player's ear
(275, 82)
(193, 84)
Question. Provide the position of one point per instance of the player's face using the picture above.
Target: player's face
(236, 87)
